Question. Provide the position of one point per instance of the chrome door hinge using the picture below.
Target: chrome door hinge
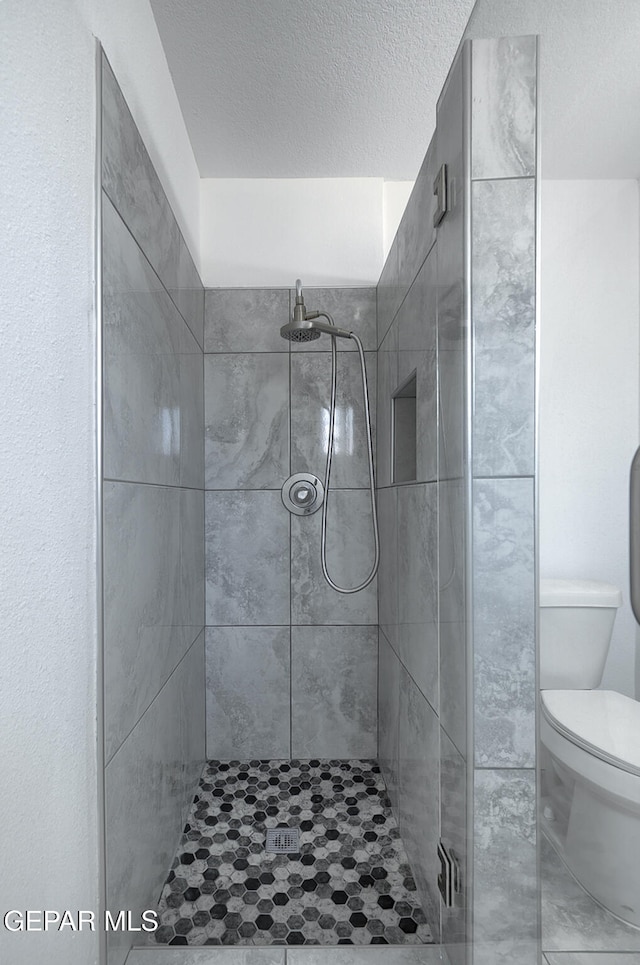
(449, 879)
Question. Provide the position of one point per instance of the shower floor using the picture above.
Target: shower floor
(350, 882)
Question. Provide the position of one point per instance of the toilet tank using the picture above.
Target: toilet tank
(576, 622)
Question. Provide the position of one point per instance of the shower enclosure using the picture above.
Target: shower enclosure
(222, 639)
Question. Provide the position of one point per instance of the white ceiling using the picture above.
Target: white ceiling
(348, 88)
(310, 88)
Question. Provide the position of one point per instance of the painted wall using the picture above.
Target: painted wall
(291, 663)
(48, 564)
(590, 391)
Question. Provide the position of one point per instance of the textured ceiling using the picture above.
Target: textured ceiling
(310, 88)
(590, 80)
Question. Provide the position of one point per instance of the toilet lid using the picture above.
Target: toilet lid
(602, 722)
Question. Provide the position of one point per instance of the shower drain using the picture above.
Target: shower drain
(283, 841)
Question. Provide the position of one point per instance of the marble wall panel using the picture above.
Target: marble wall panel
(353, 309)
(152, 422)
(153, 599)
(419, 794)
(130, 181)
(505, 887)
(246, 420)
(310, 403)
(387, 500)
(418, 586)
(145, 791)
(350, 557)
(247, 559)
(388, 293)
(503, 311)
(504, 622)
(248, 692)
(246, 319)
(417, 352)
(334, 674)
(416, 232)
(387, 383)
(503, 84)
(389, 671)
(453, 833)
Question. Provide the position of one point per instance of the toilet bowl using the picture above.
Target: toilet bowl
(590, 747)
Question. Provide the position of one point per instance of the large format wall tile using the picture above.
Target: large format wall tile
(505, 903)
(247, 559)
(417, 347)
(352, 309)
(418, 586)
(155, 955)
(416, 233)
(391, 955)
(504, 107)
(504, 618)
(310, 403)
(334, 673)
(152, 371)
(389, 670)
(350, 557)
(154, 595)
(248, 692)
(246, 420)
(503, 309)
(388, 292)
(145, 791)
(452, 611)
(419, 793)
(387, 383)
(245, 319)
(388, 569)
(593, 958)
(129, 179)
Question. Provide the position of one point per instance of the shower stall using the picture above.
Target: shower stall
(287, 763)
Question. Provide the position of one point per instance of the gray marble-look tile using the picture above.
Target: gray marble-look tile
(505, 899)
(418, 586)
(192, 714)
(353, 309)
(131, 182)
(417, 352)
(247, 559)
(207, 956)
(154, 595)
(387, 500)
(144, 790)
(504, 623)
(419, 793)
(416, 233)
(573, 921)
(388, 293)
(334, 673)
(350, 557)
(503, 80)
(503, 310)
(310, 404)
(152, 371)
(592, 958)
(453, 833)
(386, 383)
(245, 319)
(390, 955)
(506, 952)
(389, 669)
(246, 420)
(248, 693)
(452, 612)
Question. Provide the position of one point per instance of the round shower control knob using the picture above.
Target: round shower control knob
(302, 493)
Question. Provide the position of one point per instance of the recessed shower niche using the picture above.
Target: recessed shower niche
(403, 438)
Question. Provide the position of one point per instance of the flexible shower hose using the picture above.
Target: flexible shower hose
(327, 475)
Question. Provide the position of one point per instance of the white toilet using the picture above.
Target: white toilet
(590, 753)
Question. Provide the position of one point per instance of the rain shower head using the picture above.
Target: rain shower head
(303, 327)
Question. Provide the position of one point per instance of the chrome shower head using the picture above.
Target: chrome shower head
(303, 327)
(302, 331)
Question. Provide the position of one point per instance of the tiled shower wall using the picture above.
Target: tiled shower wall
(436, 653)
(291, 665)
(153, 520)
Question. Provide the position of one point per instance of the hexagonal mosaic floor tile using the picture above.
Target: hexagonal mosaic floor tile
(349, 882)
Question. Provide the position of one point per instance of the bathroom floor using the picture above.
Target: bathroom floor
(349, 882)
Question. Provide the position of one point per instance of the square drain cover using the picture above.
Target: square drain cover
(283, 841)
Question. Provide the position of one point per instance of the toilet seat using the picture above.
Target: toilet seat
(601, 722)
